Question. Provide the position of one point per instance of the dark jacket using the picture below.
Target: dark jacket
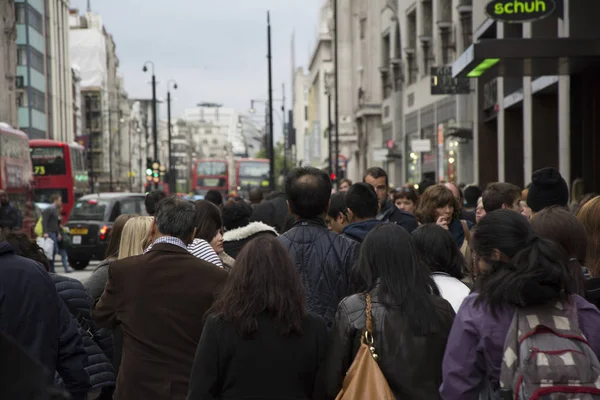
(50, 223)
(266, 366)
(359, 230)
(159, 299)
(324, 260)
(9, 217)
(390, 213)
(97, 342)
(33, 314)
(412, 365)
(272, 212)
(235, 239)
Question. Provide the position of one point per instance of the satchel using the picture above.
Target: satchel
(364, 380)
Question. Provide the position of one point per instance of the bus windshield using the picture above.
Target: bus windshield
(254, 169)
(211, 168)
(48, 160)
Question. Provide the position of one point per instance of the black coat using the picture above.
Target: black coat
(390, 213)
(324, 260)
(272, 212)
(32, 313)
(412, 365)
(266, 366)
(97, 342)
(235, 239)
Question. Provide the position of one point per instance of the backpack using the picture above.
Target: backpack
(547, 357)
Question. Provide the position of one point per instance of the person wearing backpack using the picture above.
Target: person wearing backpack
(523, 295)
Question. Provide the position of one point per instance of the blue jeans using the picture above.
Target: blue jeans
(62, 252)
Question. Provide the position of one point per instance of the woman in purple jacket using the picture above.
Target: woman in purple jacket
(519, 269)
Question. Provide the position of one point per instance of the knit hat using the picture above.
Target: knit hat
(547, 189)
(236, 215)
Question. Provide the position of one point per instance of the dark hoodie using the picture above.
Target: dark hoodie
(390, 213)
(358, 231)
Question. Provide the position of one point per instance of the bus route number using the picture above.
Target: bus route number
(39, 170)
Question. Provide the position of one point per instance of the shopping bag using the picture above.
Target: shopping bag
(47, 245)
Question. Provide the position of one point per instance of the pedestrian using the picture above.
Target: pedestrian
(480, 211)
(9, 215)
(548, 188)
(559, 225)
(521, 271)
(239, 231)
(406, 199)
(323, 258)
(458, 195)
(214, 197)
(437, 252)
(136, 237)
(362, 207)
(589, 216)
(208, 242)
(152, 199)
(259, 341)
(471, 194)
(255, 196)
(273, 212)
(159, 299)
(336, 218)
(33, 314)
(51, 226)
(378, 178)
(499, 195)
(344, 185)
(410, 324)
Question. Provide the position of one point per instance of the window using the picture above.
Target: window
(306, 113)
(20, 13)
(48, 161)
(21, 55)
(35, 20)
(215, 141)
(38, 100)
(362, 27)
(22, 98)
(128, 207)
(37, 60)
(467, 29)
(211, 168)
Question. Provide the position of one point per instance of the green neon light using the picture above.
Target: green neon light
(484, 66)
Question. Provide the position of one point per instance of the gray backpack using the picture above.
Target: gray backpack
(547, 357)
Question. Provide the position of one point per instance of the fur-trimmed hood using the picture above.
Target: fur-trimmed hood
(249, 230)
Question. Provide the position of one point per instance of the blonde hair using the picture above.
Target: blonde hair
(589, 215)
(135, 237)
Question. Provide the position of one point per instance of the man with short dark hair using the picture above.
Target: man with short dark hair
(378, 178)
(362, 207)
(255, 196)
(499, 195)
(472, 193)
(323, 258)
(214, 197)
(152, 199)
(159, 299)
(336, 218)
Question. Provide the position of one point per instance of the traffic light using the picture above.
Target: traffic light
(148, 169)
(332, 176)
(156, 171)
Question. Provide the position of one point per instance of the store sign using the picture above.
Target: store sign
(520, 11)
(420, 145)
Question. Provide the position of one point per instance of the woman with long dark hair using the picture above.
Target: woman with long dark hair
(410, 323)
(518, 270)
(437, 252)
(208, 243)
(258, 340)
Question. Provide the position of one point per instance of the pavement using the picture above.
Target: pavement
(79, 275)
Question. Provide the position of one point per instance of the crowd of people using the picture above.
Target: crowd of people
(455, 293)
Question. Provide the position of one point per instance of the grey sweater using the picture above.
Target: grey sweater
(50, 220)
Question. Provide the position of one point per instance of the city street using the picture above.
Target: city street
(79, 275)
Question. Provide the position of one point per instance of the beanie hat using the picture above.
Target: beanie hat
(236, 215)
(548, 188)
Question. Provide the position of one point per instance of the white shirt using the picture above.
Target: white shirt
(451, 289)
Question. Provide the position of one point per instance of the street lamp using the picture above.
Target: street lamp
(171, 169)
(154, 116)
(328, 89)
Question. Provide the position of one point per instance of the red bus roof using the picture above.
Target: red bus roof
(212, 160)
(254, 159)
(45, 143)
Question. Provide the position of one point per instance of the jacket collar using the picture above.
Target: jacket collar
(360, 230)
(246, 231)
(5, 248)
(311, 222)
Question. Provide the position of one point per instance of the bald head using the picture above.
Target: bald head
(308, 191)
(453, 189)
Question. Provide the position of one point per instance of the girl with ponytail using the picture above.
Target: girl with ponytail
(518, 269)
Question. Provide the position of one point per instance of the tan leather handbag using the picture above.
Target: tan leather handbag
(364, 380)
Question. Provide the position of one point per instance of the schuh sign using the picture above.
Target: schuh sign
(520, 11)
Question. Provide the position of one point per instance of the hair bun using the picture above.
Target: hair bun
(546, 177)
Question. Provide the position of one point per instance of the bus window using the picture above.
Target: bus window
(48, 161)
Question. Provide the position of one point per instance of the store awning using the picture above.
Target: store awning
(527, 57)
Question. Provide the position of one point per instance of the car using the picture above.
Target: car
(91, 221)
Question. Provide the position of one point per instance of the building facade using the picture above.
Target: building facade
(59, 108)
(538, 94)
(32, 64)
(8, 64)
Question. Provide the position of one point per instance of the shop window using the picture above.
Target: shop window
(362, 27)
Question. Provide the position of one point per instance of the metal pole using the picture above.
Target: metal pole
(337, 108)
(285, 138)
(171, 188)
(329, 132)
(271, 133)
(110, 166)
(154, 122)
(130, 158)
(91, 145)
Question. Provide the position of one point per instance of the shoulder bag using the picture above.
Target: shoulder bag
(364, 379)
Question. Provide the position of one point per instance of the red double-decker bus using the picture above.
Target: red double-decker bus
(15, 174)
(210, 174)
(59, 167)
(252, 173)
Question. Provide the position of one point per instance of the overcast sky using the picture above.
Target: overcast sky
(214, 49)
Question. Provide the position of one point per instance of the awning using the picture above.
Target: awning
(527, 57)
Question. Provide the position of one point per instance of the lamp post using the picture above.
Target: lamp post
(171, 168)
(154, 116)
(336, 91)
(271, 133)
(328, 79)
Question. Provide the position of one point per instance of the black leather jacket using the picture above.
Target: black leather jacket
(411, 364)
(324, 260)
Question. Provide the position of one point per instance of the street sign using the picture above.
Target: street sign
(520, 11)
(420, 145)
(380, 154)
(442, 82)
